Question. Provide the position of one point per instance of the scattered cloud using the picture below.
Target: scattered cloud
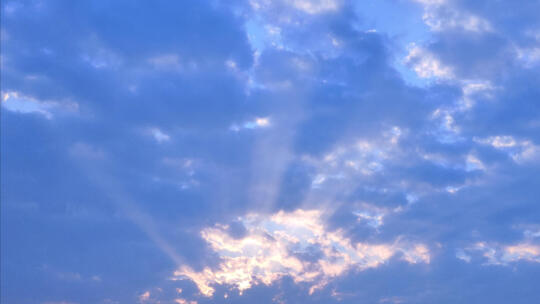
(159, 135)
(270, 151)
(497, 254)
(256, 123)
(426, 65)
(17, 102)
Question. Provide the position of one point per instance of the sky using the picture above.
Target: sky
(270, 151)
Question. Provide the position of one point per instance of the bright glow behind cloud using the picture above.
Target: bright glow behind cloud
(295, 244)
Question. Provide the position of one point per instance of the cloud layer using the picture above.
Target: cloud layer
(307, 151)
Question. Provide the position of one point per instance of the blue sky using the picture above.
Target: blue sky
(301, 151)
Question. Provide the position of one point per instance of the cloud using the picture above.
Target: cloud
(520, 151)
(258, 122)
(17, 102)
(159, 135)
(263, 149)
(311, 7)
(426, 65)
(279, 245)
(497, 254)
(144, 296)
(86, 151)
(440, 15)
(316, 6)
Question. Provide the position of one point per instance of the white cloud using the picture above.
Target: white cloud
(532, 233)
(500, 142)
(529, 57)
(460, 254)
(373, 217)
(311, 7)
(172, 63)
(101, 58)
(447, 131)
(473, 163)
(361, 157)
(316, 6)
(440, 15)
(144, 297)
(159, 135)
(416, 254)
(431, 2)
(19, 102)
(497, 254)
(184, 301)
(272, 248)
(166, 61)
(520, 150)
(256, 123)
(426, 65)
(472, 89)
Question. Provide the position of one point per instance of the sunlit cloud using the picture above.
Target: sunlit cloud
(184, 301)
(256, 123)
(19, 102)
(399, 139)
(279, 245)
(316, 6)
(362, 157)
(498, 254)
(145, 296)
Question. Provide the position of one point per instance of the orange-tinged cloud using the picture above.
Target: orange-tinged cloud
(273, 246)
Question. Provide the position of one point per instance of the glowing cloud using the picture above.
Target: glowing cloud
(277, 245)
(497, 254)
(256, 123)
(144, 297)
